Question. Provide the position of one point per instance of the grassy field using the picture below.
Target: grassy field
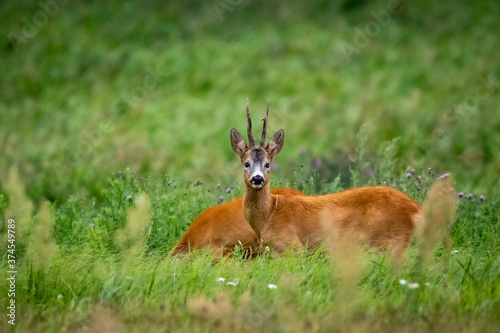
(114, 136)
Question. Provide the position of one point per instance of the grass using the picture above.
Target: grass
(78, 104)
(115, 118)
(107, 270)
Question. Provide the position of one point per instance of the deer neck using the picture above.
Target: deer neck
(257, 207)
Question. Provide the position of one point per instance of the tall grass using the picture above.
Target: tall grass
(78, 100)
(114, 118)
(109, 272)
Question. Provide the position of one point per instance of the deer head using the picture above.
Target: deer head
(256, 160)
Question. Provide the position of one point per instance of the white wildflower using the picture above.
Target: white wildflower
(413, 285)
(234, 282)
(402, 282)
(272, 286)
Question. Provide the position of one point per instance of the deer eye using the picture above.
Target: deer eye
(267, 165)
(247, 165)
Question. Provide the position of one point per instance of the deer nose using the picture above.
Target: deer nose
(257, 180)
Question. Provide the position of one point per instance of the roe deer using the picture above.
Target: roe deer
(221, 227)
(379, 216)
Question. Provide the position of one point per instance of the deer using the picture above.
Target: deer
(220, 228)
(380, 217)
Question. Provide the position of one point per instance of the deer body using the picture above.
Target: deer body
(379, 216)
(221, 227)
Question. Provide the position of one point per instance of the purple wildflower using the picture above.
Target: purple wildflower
(481, 197)
(318, 163)
(129, 197)
(452, 189)
(470, 196)
(228, 190)
(429, 169)
(218, 185)
(408, 175)
(461, 194)
(413, 171)
(442, 177)
(404, 190)
(221, 197)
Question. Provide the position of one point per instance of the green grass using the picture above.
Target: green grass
(86, 126)
(85, 69)
(95, 278)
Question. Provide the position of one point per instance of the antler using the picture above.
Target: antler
(251, 141)
(264, 128)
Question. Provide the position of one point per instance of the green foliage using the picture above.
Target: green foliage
(386, 159)
(96, 272)
(3, 203)
(359, 160)
(152, 89)
(82, 89)
(174, 204)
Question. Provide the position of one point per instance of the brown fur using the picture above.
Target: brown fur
(380, 216)
(221, 227)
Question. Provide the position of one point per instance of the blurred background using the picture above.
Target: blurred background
(88, 88)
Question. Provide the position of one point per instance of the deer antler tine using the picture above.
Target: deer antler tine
(264, 127)
(251, 141)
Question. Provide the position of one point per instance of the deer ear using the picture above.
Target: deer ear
(238, 143)
(275, 143)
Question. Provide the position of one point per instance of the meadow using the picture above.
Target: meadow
(114, 136)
